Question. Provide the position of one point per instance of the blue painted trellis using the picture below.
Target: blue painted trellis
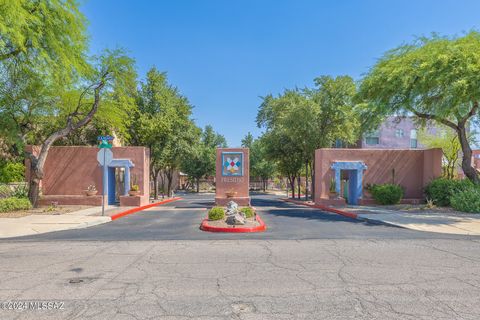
(109, 175)
(355, 169)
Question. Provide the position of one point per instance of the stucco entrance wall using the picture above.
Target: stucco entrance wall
(237, 181)
(69, 170)
(414, 169)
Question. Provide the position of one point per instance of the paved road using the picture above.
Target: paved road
(309, 265)
(180, 220)
(249, 279)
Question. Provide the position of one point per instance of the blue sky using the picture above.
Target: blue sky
(223, 55)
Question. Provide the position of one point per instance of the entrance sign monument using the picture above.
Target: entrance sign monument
(232, 176)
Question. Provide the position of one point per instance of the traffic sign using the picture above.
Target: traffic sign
(104, 156)
(104, 144)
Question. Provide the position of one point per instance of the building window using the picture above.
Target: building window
(399, 133)
(413, 139)
(372, 138)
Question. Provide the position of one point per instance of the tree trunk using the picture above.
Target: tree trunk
(292, 185)
(298, 186)
(169, 174)
(34, 190)
(155, 183)
(469, 171)
(198, 185)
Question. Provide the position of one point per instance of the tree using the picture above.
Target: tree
(312, 118)
(260, 166)
(113, 68)
(48, 86)
(446, 139)
(201, 162)
(435, 79)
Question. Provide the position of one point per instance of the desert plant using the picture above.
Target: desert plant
(135, 187)
(430, 204)
(12, 172)
(20, 191)
(441, 190)
(91, 188)
(12, 204)
(467, 200)
(248, 211)
(386, 193)
(216, 213)
(333, 185)
(5, 191)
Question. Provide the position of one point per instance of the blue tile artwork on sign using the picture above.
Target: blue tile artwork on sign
(232, 164)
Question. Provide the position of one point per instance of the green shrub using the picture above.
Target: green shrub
(12, 204)
(467, 200)
(248, 211)
(20, 191)
(12, 172)
(216, 213)
(386, 193)
(441, 190)
(5, 191)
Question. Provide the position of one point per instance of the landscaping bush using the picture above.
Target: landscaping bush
(466, 200)
(248, 212)
(12, 204)
(216, 213)
(12, 172)
(386, 193)
(20, 191)
(5, 191)
(441, 190)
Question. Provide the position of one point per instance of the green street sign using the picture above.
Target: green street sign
(105, 144)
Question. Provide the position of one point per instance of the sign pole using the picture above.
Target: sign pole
(105, 147)
(103, 183)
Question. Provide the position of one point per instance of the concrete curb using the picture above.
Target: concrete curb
(133, 210)
(345, 214)
(204, 226)
(325, 208)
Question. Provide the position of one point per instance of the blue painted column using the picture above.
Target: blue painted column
(127, 180)
(338, 185)
(359, 184)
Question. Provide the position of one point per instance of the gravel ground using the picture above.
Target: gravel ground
(43, 210)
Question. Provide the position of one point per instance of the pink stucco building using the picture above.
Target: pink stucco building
(394, 133)
(411, 169)
(70, 170)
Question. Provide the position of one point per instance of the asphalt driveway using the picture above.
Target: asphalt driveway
(180, 220)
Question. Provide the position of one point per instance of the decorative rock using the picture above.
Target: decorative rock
(232, 208)
(235, 219)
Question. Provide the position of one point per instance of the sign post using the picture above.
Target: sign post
(104, 157)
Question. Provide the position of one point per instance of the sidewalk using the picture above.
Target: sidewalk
(36, 224)
(451, 223)
(464, 224)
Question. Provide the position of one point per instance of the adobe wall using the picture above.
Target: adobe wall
(69, 170)
(238, 184)
(413, 169)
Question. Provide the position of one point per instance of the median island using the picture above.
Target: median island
(232, 218)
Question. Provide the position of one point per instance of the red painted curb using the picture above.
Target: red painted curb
(206, 227)
(325, 208)
(133, 210)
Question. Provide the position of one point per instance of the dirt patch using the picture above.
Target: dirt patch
(250, 223)
(43, 210)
